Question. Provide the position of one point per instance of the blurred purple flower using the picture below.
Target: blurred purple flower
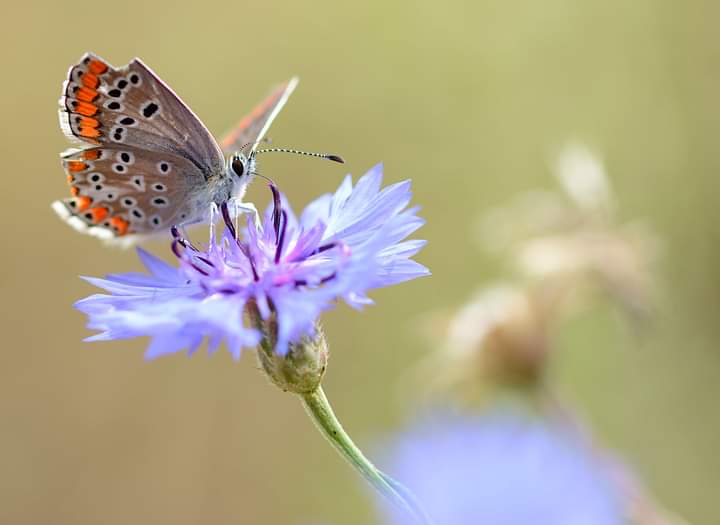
(502, 469)
(342, 246)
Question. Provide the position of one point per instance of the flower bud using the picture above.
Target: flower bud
(302, 368)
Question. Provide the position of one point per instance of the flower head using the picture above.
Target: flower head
(567, 246)
(284, 268)
(503, 468)
(500, 338)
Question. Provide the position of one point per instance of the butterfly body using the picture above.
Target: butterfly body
(146, 162)
(229, 185)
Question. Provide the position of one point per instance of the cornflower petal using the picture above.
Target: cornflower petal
(342, 246)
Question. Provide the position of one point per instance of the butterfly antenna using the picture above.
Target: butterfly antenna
(328, 156)
(265, 140)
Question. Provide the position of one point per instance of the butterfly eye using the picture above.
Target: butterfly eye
(238, 166)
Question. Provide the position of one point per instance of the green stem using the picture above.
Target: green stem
(319, 409)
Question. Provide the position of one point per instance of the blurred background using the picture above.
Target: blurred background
(473, 101)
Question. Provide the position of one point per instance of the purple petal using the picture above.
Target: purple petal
(344, 245)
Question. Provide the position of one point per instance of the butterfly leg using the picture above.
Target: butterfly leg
(180, 238)
(180, 235)
(214, 216)
(238, 207)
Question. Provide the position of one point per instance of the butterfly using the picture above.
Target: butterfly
(146, 162)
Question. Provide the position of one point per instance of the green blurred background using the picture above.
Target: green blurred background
(470, 100)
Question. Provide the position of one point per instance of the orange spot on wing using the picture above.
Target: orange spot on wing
(120, 225)
(85, 108)
(89, 122)
(74, 190)
(83, 203)
(76, 165)
(98, 214)
(97, 67)
(90, 81)
(91, 154)
(90, 133)
(70, 179)
(86, 94)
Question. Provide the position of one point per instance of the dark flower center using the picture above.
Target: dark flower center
(186, 251)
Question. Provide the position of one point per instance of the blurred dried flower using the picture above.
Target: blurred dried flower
(575, 239)
(498, 338)
(566, 247)
(583, 178)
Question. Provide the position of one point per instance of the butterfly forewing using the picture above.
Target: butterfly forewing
(131, 106)
(147, 163)
(253, 127)
(122, 190)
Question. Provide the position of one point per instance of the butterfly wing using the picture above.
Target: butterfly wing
(252, 128)
(131, 106)
(123, 191)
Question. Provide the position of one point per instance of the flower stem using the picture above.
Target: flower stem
(318, 408)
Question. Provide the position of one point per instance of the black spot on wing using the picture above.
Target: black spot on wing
(150, 109)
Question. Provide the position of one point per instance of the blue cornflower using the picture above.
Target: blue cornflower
(285, 268)
(502, 468)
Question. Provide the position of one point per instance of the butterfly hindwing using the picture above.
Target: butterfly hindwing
(253, 127)
(131, 106)
(120, 191)
(147, 163)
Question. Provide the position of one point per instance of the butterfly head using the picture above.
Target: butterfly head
(239, 166)
(240, 169)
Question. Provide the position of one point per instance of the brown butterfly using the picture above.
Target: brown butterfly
(146, 161)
